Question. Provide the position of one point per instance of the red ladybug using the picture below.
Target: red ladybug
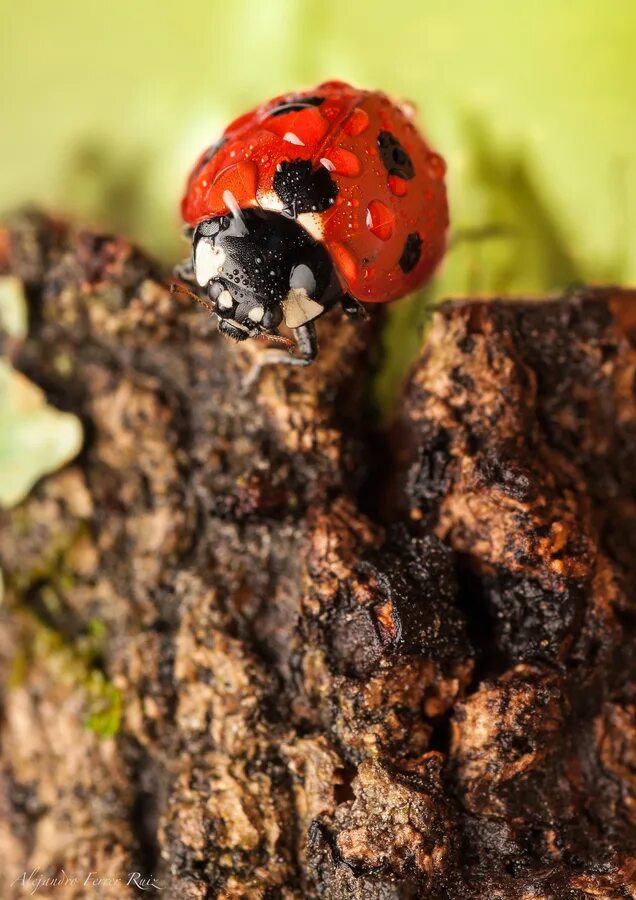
(313, 199)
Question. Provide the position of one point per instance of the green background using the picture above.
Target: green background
(106, 105)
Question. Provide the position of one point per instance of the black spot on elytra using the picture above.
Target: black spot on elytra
(395, 158)
(210, 152)
(303, 188)
(411, 252)
(295, 105)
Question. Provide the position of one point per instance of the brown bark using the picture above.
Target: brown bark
(254, 649)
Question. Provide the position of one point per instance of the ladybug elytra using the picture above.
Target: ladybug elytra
(313, 199)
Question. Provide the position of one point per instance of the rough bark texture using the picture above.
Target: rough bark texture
(258, 651)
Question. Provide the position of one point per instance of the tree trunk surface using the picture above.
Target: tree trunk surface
(251, 647)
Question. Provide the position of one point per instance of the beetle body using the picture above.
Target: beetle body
(311, 199)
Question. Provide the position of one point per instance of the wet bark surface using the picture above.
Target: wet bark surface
(252, 648)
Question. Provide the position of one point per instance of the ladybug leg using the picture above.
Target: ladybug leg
(353, 308)
(306, 344)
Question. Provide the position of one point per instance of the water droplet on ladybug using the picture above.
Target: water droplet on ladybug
(397, 185)
(292, 138)
(344, 162)
(344, 261)
(409, 109)
(357, 122)
(435, 165)
(380, 220)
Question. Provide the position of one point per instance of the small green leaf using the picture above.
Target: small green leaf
(35, 438)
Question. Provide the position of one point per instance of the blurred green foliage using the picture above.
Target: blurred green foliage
(106, 106)
(35, 438)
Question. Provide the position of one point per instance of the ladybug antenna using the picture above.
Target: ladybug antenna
(176, 288)
(278, 340)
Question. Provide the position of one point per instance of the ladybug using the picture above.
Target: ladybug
(313, 199)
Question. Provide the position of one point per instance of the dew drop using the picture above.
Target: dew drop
(345, 262)
(292, 138)
(357, 122)
(397, 185)
(409, 109)
(344, 162)
(333, 85)
(232, 204)
(436, 166)
(380, 220)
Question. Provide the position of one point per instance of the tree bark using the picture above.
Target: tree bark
(253, 648)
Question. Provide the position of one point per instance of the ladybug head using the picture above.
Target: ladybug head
(261, 269)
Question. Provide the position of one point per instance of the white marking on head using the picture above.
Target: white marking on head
(299, 308)
(292, 138)
(312, 224)
(329, 166)
(271, 201)
(208, 260)
(256, 313)
(225, 300)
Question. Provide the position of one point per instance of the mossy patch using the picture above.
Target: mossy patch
(74, 665)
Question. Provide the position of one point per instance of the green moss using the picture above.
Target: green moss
(18, 669)
(45, 637)
(51, 565)
(73, 664)
(104, 706)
